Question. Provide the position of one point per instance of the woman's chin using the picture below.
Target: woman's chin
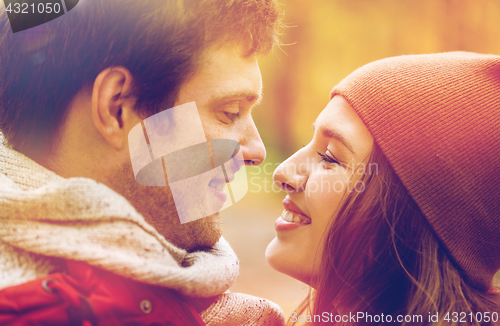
(284, 261)
(271, 253)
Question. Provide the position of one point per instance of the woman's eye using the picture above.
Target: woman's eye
(328, 159)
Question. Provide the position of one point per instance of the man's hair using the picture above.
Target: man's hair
(159, 41)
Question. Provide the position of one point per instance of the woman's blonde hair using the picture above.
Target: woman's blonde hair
(381, 256)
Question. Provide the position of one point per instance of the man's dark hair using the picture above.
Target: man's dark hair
(159, 41)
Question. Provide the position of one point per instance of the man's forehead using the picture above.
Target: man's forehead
(227, 75)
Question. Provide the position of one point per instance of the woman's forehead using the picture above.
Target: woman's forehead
(339, 121)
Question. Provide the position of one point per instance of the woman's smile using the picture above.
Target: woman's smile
(289, 221)
(291, 218)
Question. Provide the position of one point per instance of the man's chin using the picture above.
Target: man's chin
(200, 234)
(157, 206)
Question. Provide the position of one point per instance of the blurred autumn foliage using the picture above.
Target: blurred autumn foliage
(328, 39)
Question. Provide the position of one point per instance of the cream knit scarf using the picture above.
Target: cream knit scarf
(44, 217)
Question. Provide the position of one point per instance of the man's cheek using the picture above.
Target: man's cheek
(170, 147)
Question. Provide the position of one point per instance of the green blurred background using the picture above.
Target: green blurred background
(325, 41)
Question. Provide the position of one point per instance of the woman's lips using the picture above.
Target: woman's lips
(290, 206)
(283, 225)
(291, 218)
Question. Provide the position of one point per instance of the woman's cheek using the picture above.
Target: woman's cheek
(325, 193)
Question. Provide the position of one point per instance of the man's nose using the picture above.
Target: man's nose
(253, 148)
(292, 174)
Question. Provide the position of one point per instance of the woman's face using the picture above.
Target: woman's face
(316, 178)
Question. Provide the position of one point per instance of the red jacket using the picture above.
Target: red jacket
(90, 296)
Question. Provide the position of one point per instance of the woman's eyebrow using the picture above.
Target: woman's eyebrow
(330, 133)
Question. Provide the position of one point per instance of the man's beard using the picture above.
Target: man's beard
(157, 206)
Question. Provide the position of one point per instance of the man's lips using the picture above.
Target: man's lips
(219, 180)
(219, 193)
(230, 169)
(217, 183)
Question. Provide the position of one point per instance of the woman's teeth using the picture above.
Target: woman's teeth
(295, 218)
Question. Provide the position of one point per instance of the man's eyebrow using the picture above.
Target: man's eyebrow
(249, 96)
(330, 133)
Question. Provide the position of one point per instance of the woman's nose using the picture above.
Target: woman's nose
(292, 174)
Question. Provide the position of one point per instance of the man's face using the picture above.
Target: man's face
(225, 88)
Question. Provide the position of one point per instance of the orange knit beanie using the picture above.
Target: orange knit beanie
(436, 118)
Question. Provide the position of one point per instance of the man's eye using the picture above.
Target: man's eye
(328, 159)
(228, 117)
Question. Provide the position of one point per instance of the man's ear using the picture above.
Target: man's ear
(112, 108)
